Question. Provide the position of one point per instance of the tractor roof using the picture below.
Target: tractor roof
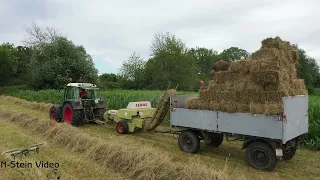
(82, 85)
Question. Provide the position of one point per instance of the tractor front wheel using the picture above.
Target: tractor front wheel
(71, 116)
(122, 127)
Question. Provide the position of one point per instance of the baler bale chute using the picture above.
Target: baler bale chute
(141, 115)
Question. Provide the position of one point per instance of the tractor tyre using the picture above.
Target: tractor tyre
(122, 127)
(216, 140)
(72, 116)
(189, 142)
(53, 114)
(100, 114)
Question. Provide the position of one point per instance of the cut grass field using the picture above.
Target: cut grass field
(162, 156)
(71, 165)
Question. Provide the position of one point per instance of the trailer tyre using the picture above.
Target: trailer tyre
(289, 153)
(122, 127)
(261, 156)
(189, 142)
(216, 140)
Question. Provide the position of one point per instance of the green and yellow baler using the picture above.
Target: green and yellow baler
(140, 115)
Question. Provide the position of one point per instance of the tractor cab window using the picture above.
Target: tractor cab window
(87, 93)
(70, 93)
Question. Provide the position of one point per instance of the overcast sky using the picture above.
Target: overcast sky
(112, 30)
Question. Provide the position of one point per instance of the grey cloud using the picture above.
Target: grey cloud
(112, 30)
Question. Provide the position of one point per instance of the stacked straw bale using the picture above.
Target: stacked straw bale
(255, 85)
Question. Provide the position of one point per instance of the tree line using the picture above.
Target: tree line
(47, 59)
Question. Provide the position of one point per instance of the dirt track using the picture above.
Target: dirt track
(227, 161)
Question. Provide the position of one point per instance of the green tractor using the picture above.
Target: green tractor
(80, 105)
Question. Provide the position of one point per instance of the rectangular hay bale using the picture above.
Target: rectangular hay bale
(228, 106)
(204, 94)
(266, 77)
(271, 96)
(273, 108)
(226, 96)
(257, 108)
(215, 105)
(270, 64)
(242, 107)
(253, 65)
(197, 103)
(239, 66)
(265, 54)
(192, 103)
(298, 84)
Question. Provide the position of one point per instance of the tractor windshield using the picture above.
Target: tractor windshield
(88, 93)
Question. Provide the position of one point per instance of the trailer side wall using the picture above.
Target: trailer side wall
(259, 125)
(296, 121)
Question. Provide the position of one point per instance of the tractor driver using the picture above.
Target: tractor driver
(83, 93)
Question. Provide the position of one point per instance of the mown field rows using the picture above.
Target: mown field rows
(119, 98)
(146, 155)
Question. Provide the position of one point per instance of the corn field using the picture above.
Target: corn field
(117, 99)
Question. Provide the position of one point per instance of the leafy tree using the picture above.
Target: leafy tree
(233, 54)
(170, 63)
(204, 58)
(308, 69)
(110, 81)
(8, 63)
(23, 54)
(52, 63)
(133, 72)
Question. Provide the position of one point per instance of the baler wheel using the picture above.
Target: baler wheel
(122, 127)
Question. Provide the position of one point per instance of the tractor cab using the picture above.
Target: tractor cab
(81, 91)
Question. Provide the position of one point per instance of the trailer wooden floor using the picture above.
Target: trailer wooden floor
(305, 164)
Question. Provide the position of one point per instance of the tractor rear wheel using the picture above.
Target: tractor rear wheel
(71, 116)
(100, 114)
(122, 127)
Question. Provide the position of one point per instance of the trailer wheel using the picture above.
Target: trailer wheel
(189, 142)
(216, 140)
(261, 156)
(122, 127)
(289, 153)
